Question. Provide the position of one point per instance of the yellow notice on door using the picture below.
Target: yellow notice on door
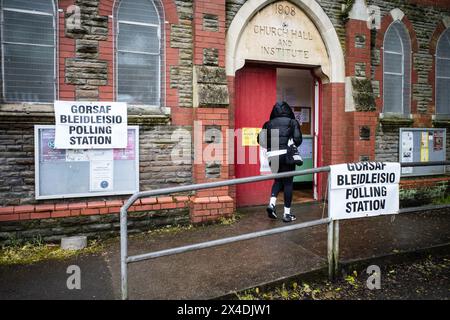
(249, 137)
(424, 151)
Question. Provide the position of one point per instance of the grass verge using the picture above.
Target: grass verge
(36, 251)
(424, 278)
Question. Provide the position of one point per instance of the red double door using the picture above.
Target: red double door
(256, 93)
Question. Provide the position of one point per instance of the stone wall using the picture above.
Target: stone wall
(387, 139)
(422, 60)
(86, 71)
(16, 164)
(94, 226)
(155, 149)
(232, 7)
(86, 67)
(181, 38)
(157, 169)
(387, 143)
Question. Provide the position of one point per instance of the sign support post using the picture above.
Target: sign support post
(330, 250)
(333, 248)
(332, 243)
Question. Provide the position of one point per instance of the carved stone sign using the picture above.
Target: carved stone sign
(282, 32)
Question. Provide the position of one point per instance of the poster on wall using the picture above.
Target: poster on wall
(407, 150)
(438, 140)
(249, 137)
(128, 152)
(101, 175)
(101, 170)
(303, 115)
(49, 153)
(101, 155)
(424, 147)
(75, 155)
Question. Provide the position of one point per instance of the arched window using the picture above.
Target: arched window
(443, 74)
(396, 70)
(139, 52)
(28, 45)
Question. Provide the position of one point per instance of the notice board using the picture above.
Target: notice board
(71, 173)
(422, 145)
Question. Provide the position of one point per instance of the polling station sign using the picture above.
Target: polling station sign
(363, 189)
(90, 125)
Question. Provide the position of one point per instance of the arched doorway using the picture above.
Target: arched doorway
(267, 43)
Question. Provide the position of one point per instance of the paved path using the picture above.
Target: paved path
(218, 271)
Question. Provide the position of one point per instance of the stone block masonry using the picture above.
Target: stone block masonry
(51, 222)
(181, 38)
(422, 104)
(93, 226)
(17, 179)
(86, 71)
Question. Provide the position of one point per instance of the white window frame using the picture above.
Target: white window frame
(398, 74)
(440, 77)
(116, 60)
(55, 46)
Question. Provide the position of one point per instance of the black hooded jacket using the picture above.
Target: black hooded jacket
(281, 127)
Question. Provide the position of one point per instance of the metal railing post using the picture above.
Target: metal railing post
(123, 253)
(335, 247)
(330, 237)
(330, 258)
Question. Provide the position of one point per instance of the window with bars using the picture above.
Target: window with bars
(28, 42)
(396, 70)
(139, 52)
(443, 74)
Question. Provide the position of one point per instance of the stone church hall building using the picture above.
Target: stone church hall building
(369, 80)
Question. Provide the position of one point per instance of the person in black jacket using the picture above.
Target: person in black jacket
(281, 130)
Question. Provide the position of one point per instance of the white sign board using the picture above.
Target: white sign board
(90, 125)
(364, 189)
(264, 161)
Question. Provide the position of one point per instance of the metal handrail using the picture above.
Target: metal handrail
(219, 242)
(332, 230)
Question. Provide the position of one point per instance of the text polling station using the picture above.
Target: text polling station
(364, 189)
(85, 125)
